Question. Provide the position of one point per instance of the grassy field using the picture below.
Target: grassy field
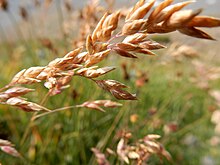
(174, 91)
(168, 104)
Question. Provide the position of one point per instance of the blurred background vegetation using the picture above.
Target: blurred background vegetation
(175, 97)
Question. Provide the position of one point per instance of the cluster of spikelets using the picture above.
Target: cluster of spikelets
(137, 153)
(130, 40)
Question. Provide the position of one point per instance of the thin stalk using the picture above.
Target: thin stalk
(20, 35)
(31, 121)
(103, 142)
(17, 29)
(53, 111)
(5, 40)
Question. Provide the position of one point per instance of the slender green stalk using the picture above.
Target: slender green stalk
(16, 26)
(54, 111)
(31, 121)
(102, 143)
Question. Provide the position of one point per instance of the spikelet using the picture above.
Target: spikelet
(14, 92)
(115, 88)
(27, 76)
(139, 10)
(96, 104)
(105, 27)
(25, 105)
(7, 147)
(204, 21)
(100, 157)
(92, 72)
(96, 58)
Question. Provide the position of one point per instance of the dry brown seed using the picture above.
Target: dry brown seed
(122, 151)
(115, 88)
(59, 62)
(24, 80)
(167, 12)
(65, 80)
(10, 150)
(135, 38)
(104, 34)
(73, 53)
(25, 105)
(45, 73)
(127, 46)
(136, 6)
(194, 32)
(96, 58)
(152, 136)
(100, 157)
(114, 83)
(145, 51)
(92, 105)
(111, 21)
(181, 18)
(151, 45)
(158, 9)
(27, 76)
(204, 21)
(99, 47)
(124, 53)
(5, 143)
(98, 27)
(33, 72)
(14, 92)
(17, 76)
(93, 73)
(141, 11)
(132, 27)
(122, 94)
(133, 155)
(89, 44)
(107, 103)
(80, 58)
(96, 104)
